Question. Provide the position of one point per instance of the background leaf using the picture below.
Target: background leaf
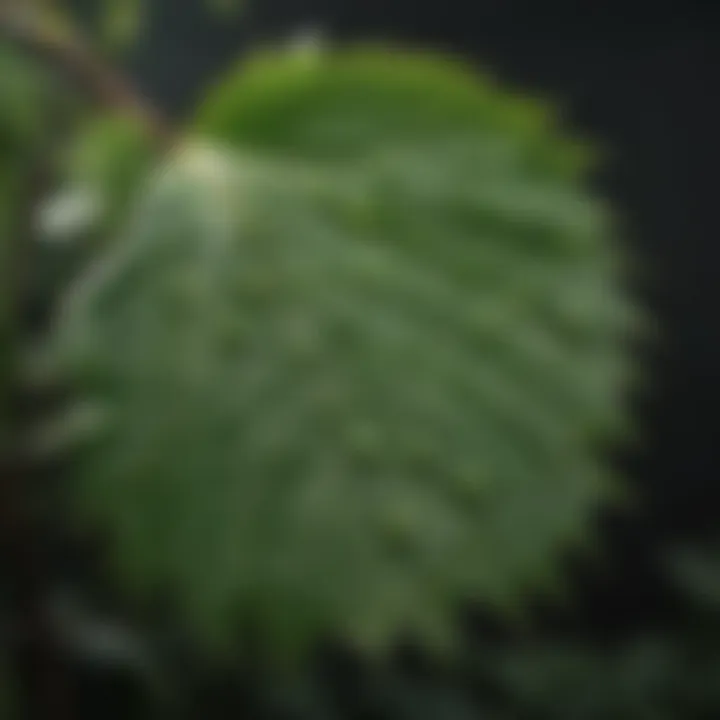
(226, 6)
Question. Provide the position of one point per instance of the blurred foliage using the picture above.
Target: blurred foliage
(24, 96)
(348, 365)
(24, 89)
(24, 99)
(103, 167)
(36, 111)
(668, 674)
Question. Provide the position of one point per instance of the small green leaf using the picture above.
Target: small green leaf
(105, 167)
(25, 93)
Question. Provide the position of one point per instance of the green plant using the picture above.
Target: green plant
(341, 351)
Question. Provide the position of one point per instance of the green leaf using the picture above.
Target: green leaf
(353, 353)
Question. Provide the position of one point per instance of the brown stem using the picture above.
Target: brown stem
(87, 70)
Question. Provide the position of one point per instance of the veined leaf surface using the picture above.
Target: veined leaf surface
(353, 350)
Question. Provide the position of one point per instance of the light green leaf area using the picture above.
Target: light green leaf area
(353, 353)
